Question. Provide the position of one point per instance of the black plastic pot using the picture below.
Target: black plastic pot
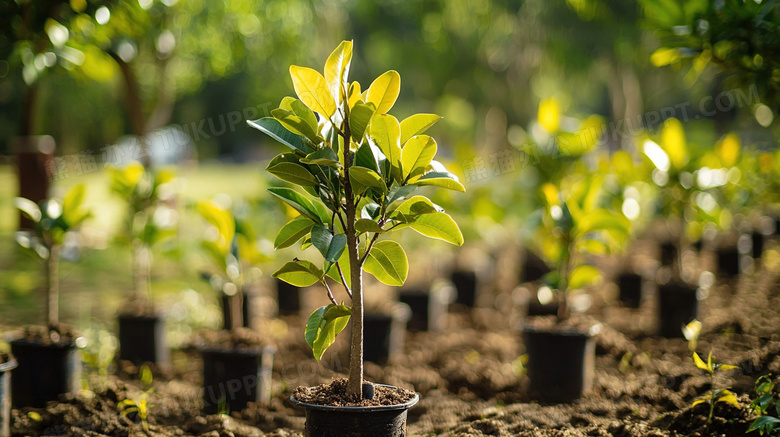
(533, 268)
(560, 362)
(535, 307)
(247, 310)
(382, 421)
(668, 253)
(630, 286)
(142, 339)
(757, 246)
(429, 309)
(728, 261)
(384, 335)
(465, 282)
(45, 372)
(233, 378)
(678, 305)
(288, 298)
(5, 396)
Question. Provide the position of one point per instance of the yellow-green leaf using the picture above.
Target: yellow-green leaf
(729, 398)
(386, 132)
(673, 142)
(367, 178)
(699, 362)
(441, 180)
(728, 149)
(583, 276)
(293, 231)
(313, 90)
(367, 225)
(384, 91)
(388, 263)
(294, 173)
(337, 68)
(438, 225)
(416, 125)
(550, 115)
(299, 273)
(417, 154)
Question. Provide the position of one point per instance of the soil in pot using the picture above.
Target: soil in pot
(466, 286)
(630, 286)
(330, 412)
(49, 365)
(678, 305)
(561, 358)
(429, 308)
(288, 298)
(237, 368)
(7, 364)
(142, 338)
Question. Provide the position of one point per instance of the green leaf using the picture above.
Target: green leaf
(387, 262)
(400, 193)
(407, 210)
(440, 179)
(417, 154)
(386, 132)
(602, 220)
(359, 118)
(384, 91)
(297, 201)
(313, 90)
(438, 225)
(337, 69)
(365, 157)
(29, 208)
(296, 124)
(367, 225)
(343, 262)
(300, 273)
(324, 156)
(293, 173)
(324, 324)
(766, 424)
(582, 276)
(330, 246)
(367, 178)
(293, 231)
(271, 127)
(305, 113)
(416, 125)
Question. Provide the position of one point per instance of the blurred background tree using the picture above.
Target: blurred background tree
(134, 67)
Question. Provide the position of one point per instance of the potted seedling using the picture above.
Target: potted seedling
(48, 359)
(150, 221)
(629, 192)
(237, 362)
(561, 353)
(687, 180)
(359, 168)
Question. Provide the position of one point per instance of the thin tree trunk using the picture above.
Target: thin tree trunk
(355, 383)
(51, 272)
(134, 106)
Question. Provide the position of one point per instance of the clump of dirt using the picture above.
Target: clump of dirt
(335, 394)
(63, 335)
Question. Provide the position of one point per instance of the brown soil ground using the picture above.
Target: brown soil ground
(471, 381)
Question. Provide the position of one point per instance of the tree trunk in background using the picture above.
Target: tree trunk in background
(134, 106)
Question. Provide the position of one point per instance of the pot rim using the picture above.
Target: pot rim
(8, 365)
(349, 409)
(22, 341)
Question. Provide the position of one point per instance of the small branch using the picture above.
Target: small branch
(368, 249)
(343, 280)
(330, 293)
